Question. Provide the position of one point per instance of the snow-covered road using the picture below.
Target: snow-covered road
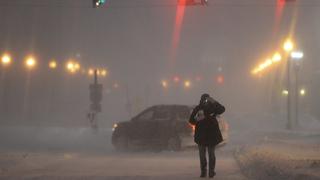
(120, 166)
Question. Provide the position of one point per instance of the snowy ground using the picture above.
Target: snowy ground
(165, 165)
(60, 153)
(80, 153)
(281, 156)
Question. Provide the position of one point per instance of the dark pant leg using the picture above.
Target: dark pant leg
(212, 160)
(203, 159)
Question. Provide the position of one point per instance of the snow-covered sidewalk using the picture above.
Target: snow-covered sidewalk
(283, 160)
(120, 166)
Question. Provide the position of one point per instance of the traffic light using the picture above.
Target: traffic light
(192, 2)
(98, 3)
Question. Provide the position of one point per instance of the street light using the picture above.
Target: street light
(285, 92)
(276, 57)
(6, 59)
(288, 47)
(53, 64)
(104, 72)
(72, 66)
(90, 72)
(297, 55)
(30, 62)
(302, 92)
(187, 84)
(164, 83)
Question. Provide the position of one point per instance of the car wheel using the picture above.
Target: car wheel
(174, 144)
(121, 143)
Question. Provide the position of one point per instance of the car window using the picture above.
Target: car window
(183, 114)
(146, 116)
(162, 114)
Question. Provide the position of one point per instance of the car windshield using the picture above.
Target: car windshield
(162, 114)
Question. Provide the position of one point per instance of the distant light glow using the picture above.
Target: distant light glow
(288, 45)
(278, 14)
(276, 57)
(164, 83)
(6, 59)
(30, 62)
(187, 84)
(104, 72)
(220, 79)
(297, 55)
(90, 72)
(285, 92)
(262, 66)
(176, 79)
(77, 66)
(73, 66)
(302, 92)
(52, 64)
(180, 12)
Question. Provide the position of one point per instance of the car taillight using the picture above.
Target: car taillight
(193, 127)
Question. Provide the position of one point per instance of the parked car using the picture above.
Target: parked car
(158, 127)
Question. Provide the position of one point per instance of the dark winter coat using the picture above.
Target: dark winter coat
(207, 131)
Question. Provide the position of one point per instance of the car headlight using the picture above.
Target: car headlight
(114, 127)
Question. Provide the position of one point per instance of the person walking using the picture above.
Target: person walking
(207, 133)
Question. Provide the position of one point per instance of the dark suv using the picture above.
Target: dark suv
(158, 127)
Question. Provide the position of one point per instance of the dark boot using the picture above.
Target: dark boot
(203, 173)
(211, 174)
(212, 161)
(203, 161)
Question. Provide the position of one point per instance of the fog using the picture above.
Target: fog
(45, 110)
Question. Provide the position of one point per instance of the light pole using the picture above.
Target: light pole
(6, 60)
(30, 63)
(288, 47)
(296, 56)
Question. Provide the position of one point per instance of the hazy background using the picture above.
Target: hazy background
(133, 39)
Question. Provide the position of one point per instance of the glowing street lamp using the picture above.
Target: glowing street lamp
(187, 84)
(6, 59)
(288, 45)
(90, 72)
(297, 55)
(302, 92)
(164, 83)
(30, 62)
(285, 92)
(276, 57)
(104, 72)
(53, 64)
(72, 66)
